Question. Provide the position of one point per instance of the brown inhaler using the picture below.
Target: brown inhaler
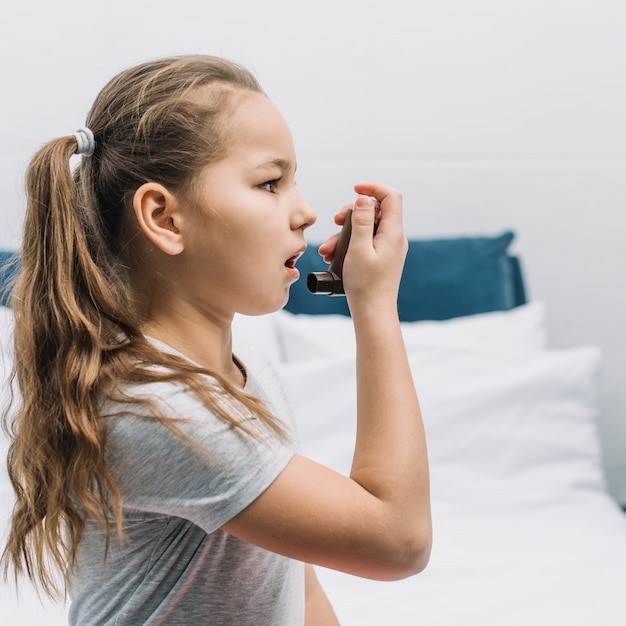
(330, 282)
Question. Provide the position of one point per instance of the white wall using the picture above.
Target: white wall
(489, 114)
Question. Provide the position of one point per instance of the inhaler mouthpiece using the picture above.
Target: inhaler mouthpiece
(327, 283)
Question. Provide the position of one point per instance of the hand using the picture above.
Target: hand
(373, 265)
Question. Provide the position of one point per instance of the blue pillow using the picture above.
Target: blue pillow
(442, 279)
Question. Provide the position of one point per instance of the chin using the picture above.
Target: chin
(265, 308)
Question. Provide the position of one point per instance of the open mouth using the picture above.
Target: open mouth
(291, 261)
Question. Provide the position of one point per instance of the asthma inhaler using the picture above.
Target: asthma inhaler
(330, 282)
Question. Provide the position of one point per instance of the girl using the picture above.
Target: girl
(153, 467)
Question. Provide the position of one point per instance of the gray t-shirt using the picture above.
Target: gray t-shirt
(176, 566)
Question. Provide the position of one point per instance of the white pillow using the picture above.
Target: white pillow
(6, 364)
(523, 417)
(6, 333)
(314, 336)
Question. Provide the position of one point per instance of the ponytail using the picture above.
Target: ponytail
(62, 304)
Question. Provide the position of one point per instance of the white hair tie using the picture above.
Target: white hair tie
(85, 141)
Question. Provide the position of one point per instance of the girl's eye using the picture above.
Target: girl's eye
(270, 186)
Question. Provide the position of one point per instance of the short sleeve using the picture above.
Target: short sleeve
(159, 472)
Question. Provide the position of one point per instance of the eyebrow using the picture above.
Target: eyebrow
(280, 163)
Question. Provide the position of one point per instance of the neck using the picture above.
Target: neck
(205, 340)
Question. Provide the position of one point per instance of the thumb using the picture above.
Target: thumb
(363, 218)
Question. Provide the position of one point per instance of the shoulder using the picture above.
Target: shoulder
(192, 464)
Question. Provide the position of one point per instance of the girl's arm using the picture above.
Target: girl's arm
(318, 611)
(375, 523)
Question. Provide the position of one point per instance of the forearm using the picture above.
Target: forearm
(390, 459)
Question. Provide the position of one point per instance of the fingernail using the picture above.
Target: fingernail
(365, 201)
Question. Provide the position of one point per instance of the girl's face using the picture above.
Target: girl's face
(242, 244)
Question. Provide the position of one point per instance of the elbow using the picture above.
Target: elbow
(408, 555)
(416, 554)
(419, 560)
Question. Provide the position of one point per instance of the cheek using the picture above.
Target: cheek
(243, 231)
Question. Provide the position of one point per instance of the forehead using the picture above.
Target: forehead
(256, 130)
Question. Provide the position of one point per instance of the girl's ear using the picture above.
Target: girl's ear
(159, 217)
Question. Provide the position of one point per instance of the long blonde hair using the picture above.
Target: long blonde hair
(76, 332)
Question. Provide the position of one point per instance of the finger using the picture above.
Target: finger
(375, 189)
(327, 249)
(390, 198)
(340, 217)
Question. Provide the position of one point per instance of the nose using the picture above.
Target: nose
(303, 214)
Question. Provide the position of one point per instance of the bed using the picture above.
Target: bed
(525, 530)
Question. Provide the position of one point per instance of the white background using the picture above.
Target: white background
(488, 114)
